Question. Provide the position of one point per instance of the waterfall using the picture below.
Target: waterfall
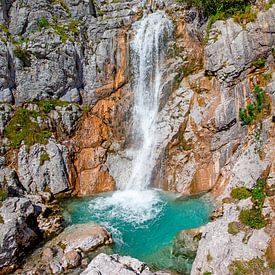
(152, 33)
(134, 202)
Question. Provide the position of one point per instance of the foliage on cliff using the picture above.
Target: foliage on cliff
(25, 127)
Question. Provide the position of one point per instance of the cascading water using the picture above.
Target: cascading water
(148, 54)
(134, 201)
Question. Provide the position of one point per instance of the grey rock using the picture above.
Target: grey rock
(223, 248)
(114, 264)
(225, 115)
(84, 237)
(9, 181)
(6, 96)
(69, 116)
(19, 229)
(72, 95)
(36, 174)
(6, 112)
(231, 48)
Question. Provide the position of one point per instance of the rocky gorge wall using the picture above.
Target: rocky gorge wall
(65, 75)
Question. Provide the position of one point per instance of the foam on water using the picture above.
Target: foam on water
(130, 206)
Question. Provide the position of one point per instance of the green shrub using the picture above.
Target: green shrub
(233, 228)
(252, 218)
(258, 194)
(259, 63)
(3, 194)
(23, 127)
(240, 193)
(1, 220)
(24, 55)
(43, 22)
(44, 157)
(248, 115)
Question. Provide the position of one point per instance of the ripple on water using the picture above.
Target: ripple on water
(143, 223)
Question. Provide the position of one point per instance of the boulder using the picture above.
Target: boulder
(86, 237)
(117, 265)
(19, 229)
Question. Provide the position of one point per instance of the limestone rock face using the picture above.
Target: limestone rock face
(44, 166)
(232, 48)
(115, 264)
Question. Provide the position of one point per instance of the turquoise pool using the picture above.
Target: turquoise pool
(143, 223)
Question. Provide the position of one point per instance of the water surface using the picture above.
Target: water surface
(143, 223)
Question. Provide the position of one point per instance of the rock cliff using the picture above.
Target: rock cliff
(66, 113)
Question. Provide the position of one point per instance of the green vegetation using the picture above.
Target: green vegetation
(43, 22)
(254, 266)
(64, 30)
(250, 113)
(1, 220)
(44, 157)
(100, 13)
(269, 4)
(233, 228)
(223, 9)
(48, 105)
(258, 194)
(252, 218)
(207, 273)
(240, 193)
(86, 109)
(3, 194)
(246, 16)
(24, 55)
(24, 127)
(259, 63)
(4, 28)
(267, 76)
